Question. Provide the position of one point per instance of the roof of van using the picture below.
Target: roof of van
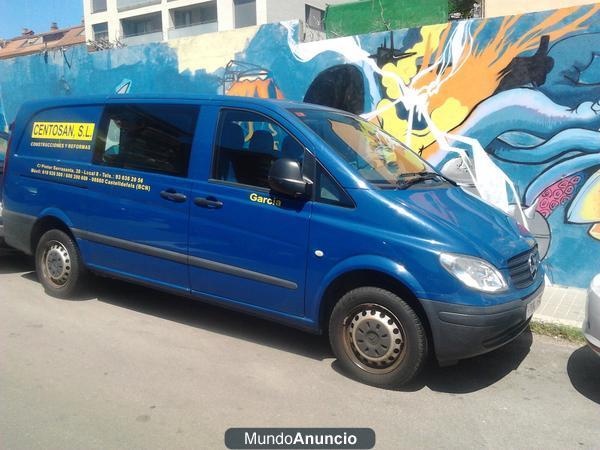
(66, 101)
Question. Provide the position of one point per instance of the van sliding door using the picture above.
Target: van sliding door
(140, 194)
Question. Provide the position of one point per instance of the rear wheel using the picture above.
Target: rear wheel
(377, 337)
(58, 264)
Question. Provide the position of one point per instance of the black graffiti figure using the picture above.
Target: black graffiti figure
(389, 54)
(527, 70)
(341, 87)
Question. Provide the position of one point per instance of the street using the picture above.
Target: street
(128, 367)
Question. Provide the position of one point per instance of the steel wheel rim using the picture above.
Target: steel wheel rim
(374, 338)
(56, 264)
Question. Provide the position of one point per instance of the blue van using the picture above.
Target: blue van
(302, 214)
(3, 147)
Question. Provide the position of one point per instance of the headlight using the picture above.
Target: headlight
(474, 272)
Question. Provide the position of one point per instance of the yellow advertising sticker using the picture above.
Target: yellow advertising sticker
(68, 131)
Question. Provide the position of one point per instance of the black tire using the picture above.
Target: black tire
(394, 348)
(59, 265)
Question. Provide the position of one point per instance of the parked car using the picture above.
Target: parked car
(591, 324)
(302, 214)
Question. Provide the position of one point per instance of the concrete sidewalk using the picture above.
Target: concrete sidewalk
(562, 305)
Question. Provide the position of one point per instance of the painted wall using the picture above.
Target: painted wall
(515, 101)
(364, 16)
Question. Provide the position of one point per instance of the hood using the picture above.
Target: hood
(474, 226)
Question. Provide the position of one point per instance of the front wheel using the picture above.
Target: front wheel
(58, 264)
(377, 337)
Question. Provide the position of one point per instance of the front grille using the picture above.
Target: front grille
(520, 268)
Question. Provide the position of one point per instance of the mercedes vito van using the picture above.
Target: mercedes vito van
(302, 214)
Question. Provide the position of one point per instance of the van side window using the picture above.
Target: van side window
(328, 191)
(247, 144)
(151, 138)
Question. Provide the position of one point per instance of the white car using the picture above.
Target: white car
(591, 325)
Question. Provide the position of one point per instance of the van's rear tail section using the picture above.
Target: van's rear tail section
(2, 181)
(5, 166)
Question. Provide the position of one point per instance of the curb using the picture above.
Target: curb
(555, 321)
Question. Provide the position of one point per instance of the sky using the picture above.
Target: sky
(37, 15)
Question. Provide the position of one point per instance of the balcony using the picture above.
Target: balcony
(193, 30)
(124, 5)
(145, 38)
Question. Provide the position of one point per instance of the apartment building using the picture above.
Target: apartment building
(140, 21)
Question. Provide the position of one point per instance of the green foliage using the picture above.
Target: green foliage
(368, 16)
(464, 7)
(565, 332)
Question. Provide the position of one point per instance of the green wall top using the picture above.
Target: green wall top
(367, 16)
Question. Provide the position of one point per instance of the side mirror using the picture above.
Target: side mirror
(285, 177)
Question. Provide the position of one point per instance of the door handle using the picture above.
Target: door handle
(173, 196)
(208, 203)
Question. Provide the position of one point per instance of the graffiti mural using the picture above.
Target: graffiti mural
(249, 80)
(510, 107)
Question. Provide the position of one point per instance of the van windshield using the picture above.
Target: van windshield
(375, 155)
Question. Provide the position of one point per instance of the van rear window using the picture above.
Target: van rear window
(147, 137)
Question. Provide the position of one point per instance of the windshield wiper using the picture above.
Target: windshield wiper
(406, 180)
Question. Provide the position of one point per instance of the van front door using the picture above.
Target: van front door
(140, 193)
(248, 246)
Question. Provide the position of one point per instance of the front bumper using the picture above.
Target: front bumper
(461, 331)
(591, 324)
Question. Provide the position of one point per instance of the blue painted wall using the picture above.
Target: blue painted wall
(520, 95)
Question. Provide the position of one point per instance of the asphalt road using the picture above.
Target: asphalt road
(128, 367)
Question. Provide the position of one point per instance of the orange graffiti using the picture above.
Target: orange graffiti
(482, 66)
(258, 87)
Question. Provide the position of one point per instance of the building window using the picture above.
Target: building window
(100, 31)
(149, 138)
(98, 6)
(314, 18)
(53, 37)
(194, 15)
(135, 26)
(245, 13)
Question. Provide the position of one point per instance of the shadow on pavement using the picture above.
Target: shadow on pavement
(470, 375)
(85, 294)
(584, 372)
(467, 376)
(478, 373)
(12, 261)
(212, 318)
